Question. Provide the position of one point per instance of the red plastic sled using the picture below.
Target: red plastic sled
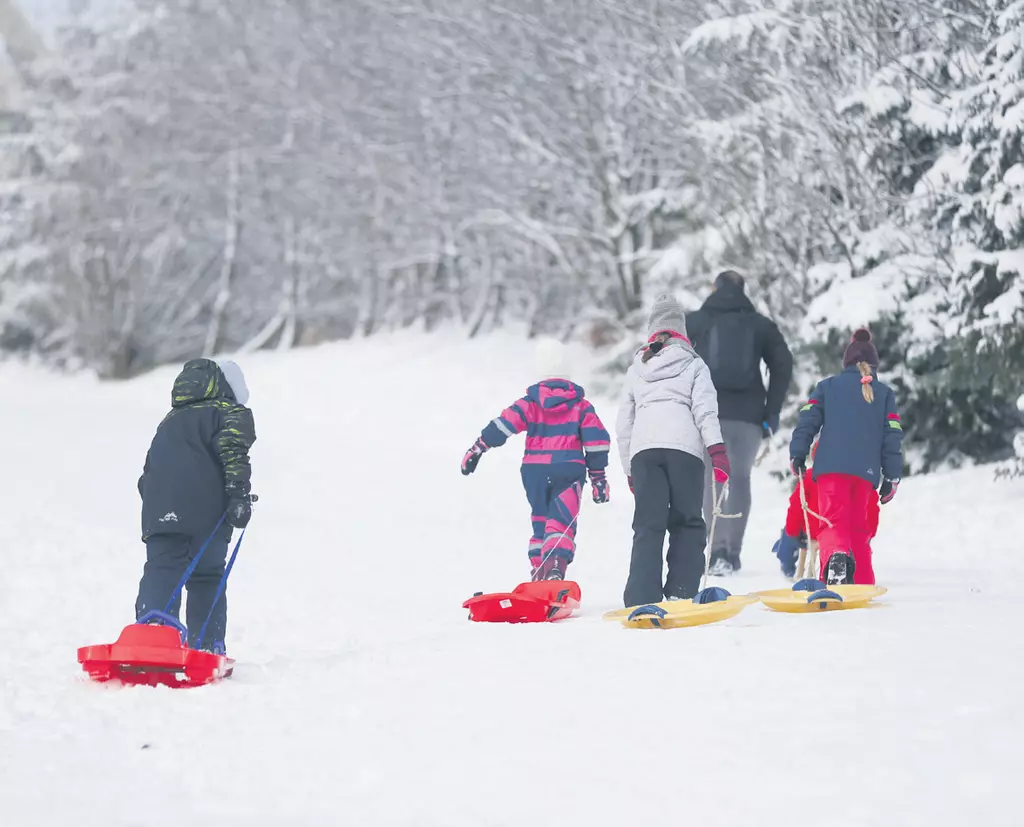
(152, 655)
(538, 602)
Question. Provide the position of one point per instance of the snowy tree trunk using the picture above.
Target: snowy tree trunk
(369, 282)
(478, 315)
(230, 255)
(289, 299)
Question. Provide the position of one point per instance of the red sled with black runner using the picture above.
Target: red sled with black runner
(151, 654)
(533, 602)
(153, 650)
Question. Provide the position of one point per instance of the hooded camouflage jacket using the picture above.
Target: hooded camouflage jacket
(199, 457)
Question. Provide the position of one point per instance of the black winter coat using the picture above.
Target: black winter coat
(760, 341)
(199, 457)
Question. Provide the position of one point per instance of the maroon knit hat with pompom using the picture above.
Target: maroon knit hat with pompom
(860, 349)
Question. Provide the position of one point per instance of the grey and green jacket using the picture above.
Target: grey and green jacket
(199, 457)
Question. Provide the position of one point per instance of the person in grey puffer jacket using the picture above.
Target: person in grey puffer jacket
(667, 424)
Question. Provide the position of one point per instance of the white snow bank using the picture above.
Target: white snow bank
(892, 286)
(364, 697)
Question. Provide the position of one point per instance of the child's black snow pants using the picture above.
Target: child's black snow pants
(167, 557)
(669, 491)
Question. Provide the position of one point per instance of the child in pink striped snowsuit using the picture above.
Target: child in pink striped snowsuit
(565, 440)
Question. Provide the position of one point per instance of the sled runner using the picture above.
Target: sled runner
(152, 651)
(809, 596)
(151, 654)
(533, 602)
(709, 606)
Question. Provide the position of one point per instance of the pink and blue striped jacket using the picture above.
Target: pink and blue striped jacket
(560, 426)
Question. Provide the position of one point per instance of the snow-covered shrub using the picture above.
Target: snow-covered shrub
(1014, 468)
(911, 125)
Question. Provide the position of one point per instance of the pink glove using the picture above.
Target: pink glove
(720, 463)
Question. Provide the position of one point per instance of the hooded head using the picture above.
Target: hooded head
(666, 316)
(730, 280)
(203, 379)
(860, 349)
(236, 381)
(552, 360)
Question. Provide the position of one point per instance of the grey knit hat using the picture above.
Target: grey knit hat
(667, 314)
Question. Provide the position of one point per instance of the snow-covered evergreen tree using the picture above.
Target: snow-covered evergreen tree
(883, 250)
(972, 198)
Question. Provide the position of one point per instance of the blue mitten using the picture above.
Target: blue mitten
(786, 549)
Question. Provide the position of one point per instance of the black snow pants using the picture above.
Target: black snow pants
(167, 557)
(669, 492)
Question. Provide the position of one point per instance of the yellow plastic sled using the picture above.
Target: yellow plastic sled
(674, 614)
(806, 597)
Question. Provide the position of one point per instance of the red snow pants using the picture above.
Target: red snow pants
(846, 502)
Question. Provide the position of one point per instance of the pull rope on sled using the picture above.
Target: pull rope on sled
(544, 559)
(716, 513)
(166, 615)
(808, 563)
(220, 590)
(195, 562)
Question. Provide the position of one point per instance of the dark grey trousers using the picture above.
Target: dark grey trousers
(167, 557)
(668, 486)
(742, 442)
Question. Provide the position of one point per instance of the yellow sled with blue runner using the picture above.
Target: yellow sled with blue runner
(709, 606)
(813, 596)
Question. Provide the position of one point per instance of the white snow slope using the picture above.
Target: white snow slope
(363, 696)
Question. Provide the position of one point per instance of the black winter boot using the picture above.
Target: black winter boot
(840, 569)
(721, 564)
(551, 569)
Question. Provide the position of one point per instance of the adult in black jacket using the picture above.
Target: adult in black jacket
(734, 339)
(196, 485)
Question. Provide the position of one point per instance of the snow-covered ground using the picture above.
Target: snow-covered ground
(364, 697)
(47, 15)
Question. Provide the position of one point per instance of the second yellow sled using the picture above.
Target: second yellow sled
(808, 597)
(674, 614)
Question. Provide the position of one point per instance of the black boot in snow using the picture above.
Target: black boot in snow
(840, 569)
(682, 595)
(557, 571)
(553, 569)
(679, 592)
(721, 565)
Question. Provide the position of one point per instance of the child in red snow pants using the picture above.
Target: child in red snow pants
(847, 502)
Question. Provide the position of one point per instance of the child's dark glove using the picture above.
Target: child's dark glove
(798, 465)
(888, 490)
(240, 511)
(472, 457)
(599, 483)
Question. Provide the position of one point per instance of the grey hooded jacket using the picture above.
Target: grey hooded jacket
(669, 402)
